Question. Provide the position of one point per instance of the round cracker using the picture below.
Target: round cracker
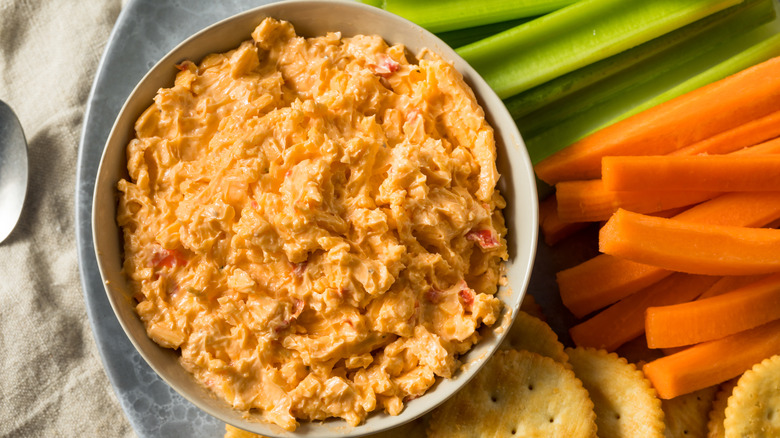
(753, 409)
(718, 411)
(532, 334)
(686, 415)
(625, 402)
(517, 394)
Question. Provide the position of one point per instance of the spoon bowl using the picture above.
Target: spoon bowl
(13, 170)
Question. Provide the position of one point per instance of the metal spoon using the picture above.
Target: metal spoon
(13, 170)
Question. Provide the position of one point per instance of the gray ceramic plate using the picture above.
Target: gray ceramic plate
(150, 405)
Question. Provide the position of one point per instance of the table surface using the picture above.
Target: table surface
(144, 32)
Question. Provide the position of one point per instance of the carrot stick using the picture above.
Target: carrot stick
(612, 279)
(553, 228)
(689, 247)
(707, 111)
(713, 318)
(719, 173)
(591, 201)
(729, 283)
(749, 134)
(713, 362)
(603, 280)
(624, 320)
(737, 209)
(767, 147)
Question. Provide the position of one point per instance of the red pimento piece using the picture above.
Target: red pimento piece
(168, 258)
(486, 239)
(298, 305)
(467, 295)
(385, 67)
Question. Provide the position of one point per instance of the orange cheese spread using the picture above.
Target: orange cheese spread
(313, 223)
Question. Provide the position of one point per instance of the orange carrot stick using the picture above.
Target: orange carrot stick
(737, 209)
(712, 318)
(718, 173)
(591, 201)
(767, 147)
(720, 106)
(624, 320)
(553, 228)
(688, 247)
(712, 362)
(603, 280)
(728, 284)
(749, 134)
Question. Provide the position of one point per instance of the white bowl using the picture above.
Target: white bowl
(312, 18)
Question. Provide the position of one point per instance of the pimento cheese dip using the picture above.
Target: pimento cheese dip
(313, 223)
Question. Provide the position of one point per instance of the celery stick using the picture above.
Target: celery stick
(724, 60)
(461, 37)
(749, 15)
(575, 36)
(446, 15)
(706, 32)
(760, 52)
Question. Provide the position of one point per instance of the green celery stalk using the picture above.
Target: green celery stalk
(759, 53)
(575, 36)
(724, 60)
(461, 37)
(747, 16)
(706, 32)
(446, 15)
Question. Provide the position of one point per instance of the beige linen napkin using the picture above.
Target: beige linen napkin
(52, 382)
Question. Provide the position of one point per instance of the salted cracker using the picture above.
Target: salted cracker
(686, 415)
(753, 409)
(718, 411)
(625, 402)
(517, 394)
(532, 334)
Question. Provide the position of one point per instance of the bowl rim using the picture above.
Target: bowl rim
(487, 99)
